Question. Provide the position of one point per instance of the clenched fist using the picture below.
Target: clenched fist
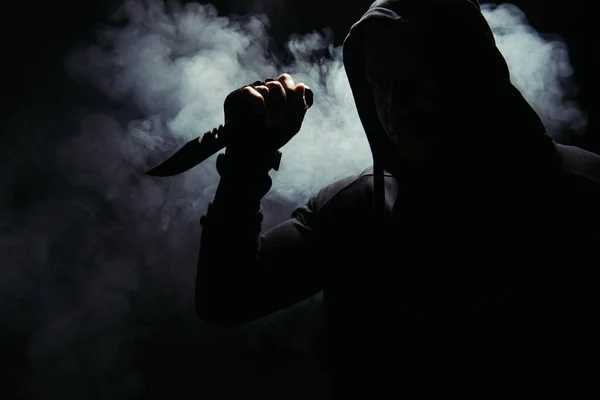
(273, 109)
(277, 99)
(264, 116)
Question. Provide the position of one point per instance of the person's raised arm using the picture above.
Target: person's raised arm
(243, 275)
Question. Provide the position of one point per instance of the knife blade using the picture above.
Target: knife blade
(192, 153)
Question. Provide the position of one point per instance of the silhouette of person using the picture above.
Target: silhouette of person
(459, 261)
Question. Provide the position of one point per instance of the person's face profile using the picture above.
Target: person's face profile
(408, 102)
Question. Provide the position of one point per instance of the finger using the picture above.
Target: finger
(298, 108)
(264, 93)
(270, 116)
(298, 99)
(295, 93)
(287, 82)
(277, 98)
(263, 90)
(255, 99)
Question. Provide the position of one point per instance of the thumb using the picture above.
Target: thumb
(303, 98)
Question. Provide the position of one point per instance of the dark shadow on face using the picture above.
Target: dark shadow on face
(413, 110)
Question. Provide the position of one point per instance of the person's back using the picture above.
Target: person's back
(462, 260)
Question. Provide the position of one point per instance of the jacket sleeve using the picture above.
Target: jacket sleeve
(244, 275)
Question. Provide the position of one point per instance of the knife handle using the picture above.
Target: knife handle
(217, 140)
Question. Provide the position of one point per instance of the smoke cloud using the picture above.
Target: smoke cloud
(540, 68)
(99, 259)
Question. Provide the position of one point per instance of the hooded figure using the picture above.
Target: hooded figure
(460, 260)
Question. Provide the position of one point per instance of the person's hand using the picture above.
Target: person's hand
(277, 99)
(273, 109)
(263, 117)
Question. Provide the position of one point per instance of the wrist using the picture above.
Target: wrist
(238, 162)
(239, 194)
(229, 218)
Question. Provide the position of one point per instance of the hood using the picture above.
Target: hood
(455, 38)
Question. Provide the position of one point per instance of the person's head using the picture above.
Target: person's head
(416, 112)
(433, 92)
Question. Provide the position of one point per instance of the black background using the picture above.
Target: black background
(37, 35)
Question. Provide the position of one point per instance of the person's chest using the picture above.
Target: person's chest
(458, 275)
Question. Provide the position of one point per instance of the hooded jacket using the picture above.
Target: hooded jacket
(481, 283)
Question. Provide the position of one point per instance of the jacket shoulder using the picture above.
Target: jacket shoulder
(344, 191)
(348, 203)
(575, 205)
(580, 164)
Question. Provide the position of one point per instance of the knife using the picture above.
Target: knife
(197, 150)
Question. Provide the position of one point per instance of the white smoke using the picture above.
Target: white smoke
(105, 257)
(540, 68)
(179, 66)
